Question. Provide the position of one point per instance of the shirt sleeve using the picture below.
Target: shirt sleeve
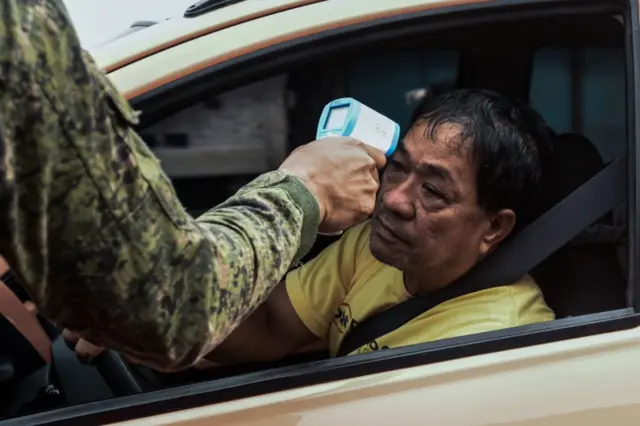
(92, 226)
(317, 288)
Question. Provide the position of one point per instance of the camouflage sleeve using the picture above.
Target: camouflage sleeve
(92, 225)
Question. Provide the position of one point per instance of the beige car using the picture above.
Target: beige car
(228, 89)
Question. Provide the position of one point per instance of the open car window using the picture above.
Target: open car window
(221, 137)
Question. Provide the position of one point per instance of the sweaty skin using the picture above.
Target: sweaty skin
(92, 226)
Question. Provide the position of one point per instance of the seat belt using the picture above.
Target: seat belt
(25, 321)
(513, 259)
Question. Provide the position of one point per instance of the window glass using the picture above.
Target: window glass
(247, 130)
(583, 91)
(381, 81)
(242, 131)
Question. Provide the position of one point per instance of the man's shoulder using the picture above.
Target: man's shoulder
(519, 303)
(516, 303)
(525, 286)
(528, 302)
(354, 240)
(348, 253)
(361, 230)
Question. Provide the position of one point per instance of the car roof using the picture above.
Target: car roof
(139, 62)
(136, 45)
(133, 46)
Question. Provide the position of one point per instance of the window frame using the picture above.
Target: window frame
(290, 377)
(632, 25)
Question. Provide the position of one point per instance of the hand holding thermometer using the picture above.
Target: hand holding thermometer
(348, 117)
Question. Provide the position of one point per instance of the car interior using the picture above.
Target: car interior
(572, 69)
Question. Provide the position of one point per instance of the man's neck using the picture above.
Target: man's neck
(417, 286)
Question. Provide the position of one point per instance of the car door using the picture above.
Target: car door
(573, 369)
(550, 383)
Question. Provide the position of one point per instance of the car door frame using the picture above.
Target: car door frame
(383, 362)
(633, 126)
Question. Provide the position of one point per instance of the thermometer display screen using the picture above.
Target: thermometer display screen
(336, 118)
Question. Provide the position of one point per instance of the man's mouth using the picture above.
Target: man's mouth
(388, 233)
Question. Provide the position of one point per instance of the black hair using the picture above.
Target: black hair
(510, 143)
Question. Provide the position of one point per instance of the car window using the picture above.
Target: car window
(401, 73)
(252, 117)
(583, 91)
(222, 140)
(229, 138)
(219, 144)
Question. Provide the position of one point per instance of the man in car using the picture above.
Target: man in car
(466, 176)
(92, 226)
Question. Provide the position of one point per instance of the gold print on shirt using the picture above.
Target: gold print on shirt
(343, 318)
(371, 347)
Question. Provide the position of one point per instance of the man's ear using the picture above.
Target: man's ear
(500, 226)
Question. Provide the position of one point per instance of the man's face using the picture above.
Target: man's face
(427, 220)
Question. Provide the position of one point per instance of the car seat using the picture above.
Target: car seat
(583, 277)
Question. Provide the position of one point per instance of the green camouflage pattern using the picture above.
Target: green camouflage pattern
(92, 225)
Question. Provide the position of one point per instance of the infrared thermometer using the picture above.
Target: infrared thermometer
(349, 117)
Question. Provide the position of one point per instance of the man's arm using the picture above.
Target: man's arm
(301, 309)
(273, 331)
(92, 225)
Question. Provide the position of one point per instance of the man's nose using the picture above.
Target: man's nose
(400, 201)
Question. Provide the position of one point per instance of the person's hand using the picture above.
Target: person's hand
(342, 174)
(4, 266)
(85, 351)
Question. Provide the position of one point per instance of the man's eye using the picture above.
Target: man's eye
(431, 190)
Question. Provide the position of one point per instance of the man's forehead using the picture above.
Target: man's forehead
(425, 142)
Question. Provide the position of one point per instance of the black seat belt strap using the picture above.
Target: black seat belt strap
(10, 280)
(512, 260)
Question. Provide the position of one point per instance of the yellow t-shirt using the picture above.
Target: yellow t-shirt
(346, 284)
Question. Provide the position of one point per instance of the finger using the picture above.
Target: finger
(376, 177)
(70, 339)
(377, 155)
(369, 205)
(4, 266)
(70, 336)
(86, 351)
(31, 307)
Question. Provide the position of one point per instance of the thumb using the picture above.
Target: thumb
(87, 351)
(377, 155)
(70, 336)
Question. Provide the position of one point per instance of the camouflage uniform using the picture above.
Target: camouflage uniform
(92, 225)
